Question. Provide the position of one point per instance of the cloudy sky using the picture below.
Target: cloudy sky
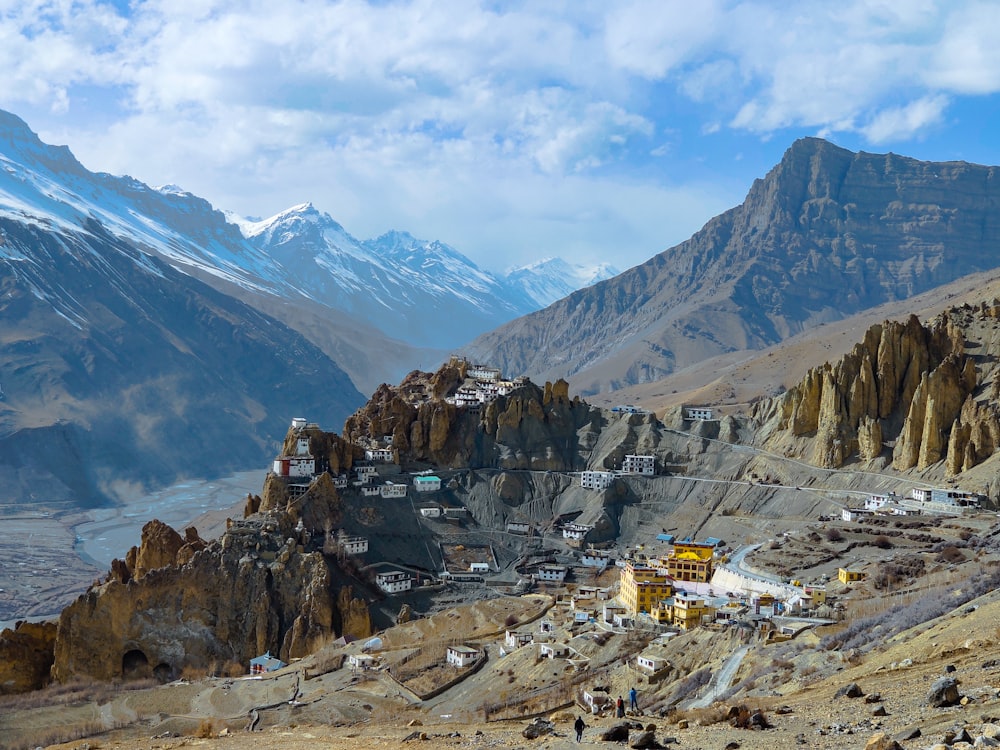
(598, 131)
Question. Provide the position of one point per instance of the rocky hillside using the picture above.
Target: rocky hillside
(118, 372)
(178, 602)
(916, 396)
(825, 234)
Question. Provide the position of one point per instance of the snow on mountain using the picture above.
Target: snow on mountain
(551, 279)
(422, 292)
(426, 293)
(46, 186)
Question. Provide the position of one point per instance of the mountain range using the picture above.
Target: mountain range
(132, 313)
(827, 233)
(127, 307)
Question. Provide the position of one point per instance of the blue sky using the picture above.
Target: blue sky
(597, 131)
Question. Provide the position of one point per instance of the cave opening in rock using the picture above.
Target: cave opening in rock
(135, 665)
(163, 672)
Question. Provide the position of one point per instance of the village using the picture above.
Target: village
(665, 586)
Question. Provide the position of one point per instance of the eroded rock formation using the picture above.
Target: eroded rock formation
(178, 602)
(929, 390)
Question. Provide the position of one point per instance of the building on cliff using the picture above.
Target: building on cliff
(698, 413)
(596, 480)
(394, 581)
(426, 483)
(635, 464)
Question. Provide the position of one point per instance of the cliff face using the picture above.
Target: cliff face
(178, 602)
(532, 428)
(825, 234)
(928, 391)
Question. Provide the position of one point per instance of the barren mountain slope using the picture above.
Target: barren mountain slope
(825, 234)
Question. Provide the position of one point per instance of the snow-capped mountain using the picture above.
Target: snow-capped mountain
(551, 279)
(373, 304)
(426, 293)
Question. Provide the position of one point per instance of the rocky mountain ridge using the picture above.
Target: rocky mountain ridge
(826, 233)
(911, 394)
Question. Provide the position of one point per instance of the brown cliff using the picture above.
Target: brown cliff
(26, 656)
(926, 390)
(205, 605)
(531, 428)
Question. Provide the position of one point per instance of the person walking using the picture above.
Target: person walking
(621, 707)
(579, 726)
(632, 702)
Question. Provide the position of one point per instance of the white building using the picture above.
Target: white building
(553, 650)
(365, 471)
(634, 464)
(361, 661)
(456, 514)
(430, 511)
(462, 656)
(393, 489)
(552, 573)
(353, 545)
(575, 531)
(370, 490)
(294, 467)
(514, 639)
(944, 497)
(479, 567)
(483, 372)
(855, 514)
(874, 502)
(596, 480)
(394, 582)
(697, 413)
(596, 558)
(651, 661)
(427, 483)
(380, 455)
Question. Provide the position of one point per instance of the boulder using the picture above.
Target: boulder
(617, 733)
(944, 692)
(882, 741)
(849, 691)
(538, 728)
(644, 740)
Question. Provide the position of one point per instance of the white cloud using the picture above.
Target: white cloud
(904, 122)
(406, 112)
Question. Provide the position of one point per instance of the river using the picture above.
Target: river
(112, 531)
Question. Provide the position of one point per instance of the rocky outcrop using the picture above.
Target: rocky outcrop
(928, 390)
(179, 602)
(26, 654)
(531, 428)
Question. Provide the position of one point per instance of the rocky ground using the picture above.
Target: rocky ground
(793, 684)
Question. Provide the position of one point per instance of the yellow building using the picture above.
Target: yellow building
(641, 588)
(818, 594)
(691, 561)
(690, 611)
(683, 610)
(850, 575)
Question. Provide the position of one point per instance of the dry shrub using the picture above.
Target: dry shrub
(206, 729)
(833, 534)
(743, 717)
